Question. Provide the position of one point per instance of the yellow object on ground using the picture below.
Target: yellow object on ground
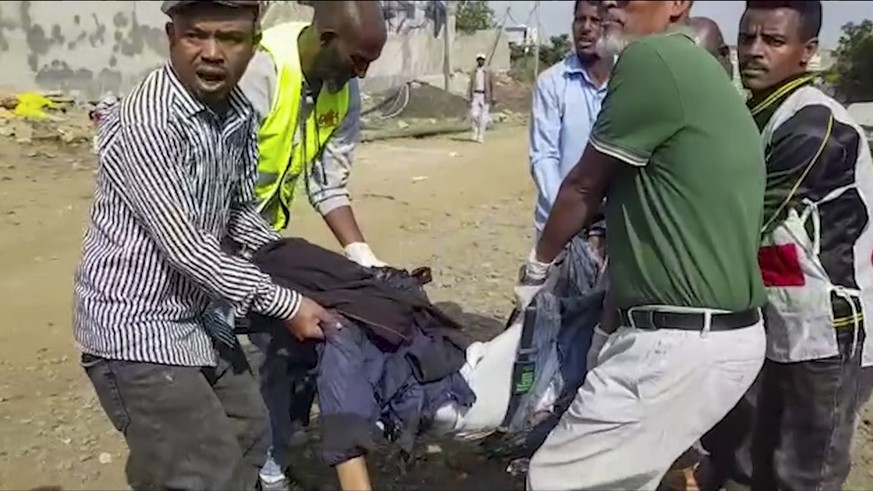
(30, 106)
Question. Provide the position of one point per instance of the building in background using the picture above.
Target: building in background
(523, 36)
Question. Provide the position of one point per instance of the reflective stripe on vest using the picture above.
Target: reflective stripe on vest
(278, 172)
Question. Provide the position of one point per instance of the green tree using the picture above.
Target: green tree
(852, 75)
(557, 49)
(473, 15)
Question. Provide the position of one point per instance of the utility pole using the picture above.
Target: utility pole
(536, 37)
(500, 28)
(448, 34)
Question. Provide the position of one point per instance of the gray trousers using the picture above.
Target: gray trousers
(186, 427)
(793, 430)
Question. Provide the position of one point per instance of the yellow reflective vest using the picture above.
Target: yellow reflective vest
(282, 159)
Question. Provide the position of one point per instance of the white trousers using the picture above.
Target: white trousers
(479, 115)
(650, 397)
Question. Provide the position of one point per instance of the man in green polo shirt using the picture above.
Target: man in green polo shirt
(673, 152)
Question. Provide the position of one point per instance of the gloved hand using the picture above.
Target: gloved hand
(597, 343)
(361, 253)
(532, 279)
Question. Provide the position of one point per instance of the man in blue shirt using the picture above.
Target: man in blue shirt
(566, 102)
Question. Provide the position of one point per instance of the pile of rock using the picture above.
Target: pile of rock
(30, 116)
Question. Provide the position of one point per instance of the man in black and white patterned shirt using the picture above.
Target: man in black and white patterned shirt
(177, 172)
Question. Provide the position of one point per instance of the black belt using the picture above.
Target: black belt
(687, 321)
(478, 91)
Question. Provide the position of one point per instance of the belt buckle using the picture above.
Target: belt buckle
(649, 316)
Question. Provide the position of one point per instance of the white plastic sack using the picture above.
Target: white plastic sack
(568, 307)
(489, 374)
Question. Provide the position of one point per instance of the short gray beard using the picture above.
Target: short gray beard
(611, 44)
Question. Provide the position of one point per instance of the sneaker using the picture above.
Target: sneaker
(273, 483)
(271, 477)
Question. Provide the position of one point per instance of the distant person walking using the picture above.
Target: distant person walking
(481, 94)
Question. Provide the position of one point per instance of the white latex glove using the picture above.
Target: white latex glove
(597, 342)
(361, 253)
(531, 280)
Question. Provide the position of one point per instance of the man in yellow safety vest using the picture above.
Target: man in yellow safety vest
(307, 98)
(303, 85)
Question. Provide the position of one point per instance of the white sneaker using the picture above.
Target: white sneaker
(273, 483)
(271, 477)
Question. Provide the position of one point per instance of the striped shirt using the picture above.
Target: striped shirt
(174, 179)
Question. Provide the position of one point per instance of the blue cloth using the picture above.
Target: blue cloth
(565, 105)
(360, 385)
(218, 322)
(579, 294)
(395, 359)
(563, 321)
(287, 383)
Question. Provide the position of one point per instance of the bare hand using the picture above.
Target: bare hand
(310, 321)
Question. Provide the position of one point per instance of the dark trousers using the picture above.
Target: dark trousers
(287, 384)
(793, 429)
(186, 427)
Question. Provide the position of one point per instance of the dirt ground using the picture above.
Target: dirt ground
(463, 209)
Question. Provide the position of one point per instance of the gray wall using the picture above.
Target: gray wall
(93, 47)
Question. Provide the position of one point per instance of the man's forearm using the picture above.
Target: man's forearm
(546, 173)
(578, 201)
(344, 226)
(571, 212)
(249, 229)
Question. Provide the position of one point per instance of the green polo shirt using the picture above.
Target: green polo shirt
(684, 212)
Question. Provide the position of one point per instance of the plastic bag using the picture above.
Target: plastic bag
(563, 317)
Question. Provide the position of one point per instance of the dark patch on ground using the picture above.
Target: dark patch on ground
(426, 101)
(456, 465)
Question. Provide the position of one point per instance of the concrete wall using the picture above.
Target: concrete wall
(85, 46)
(419, 55)
(93, 47)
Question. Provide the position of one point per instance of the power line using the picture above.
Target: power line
(530, 14)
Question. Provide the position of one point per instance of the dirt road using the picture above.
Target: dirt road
(461, 208)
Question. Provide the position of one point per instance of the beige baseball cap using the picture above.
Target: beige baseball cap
(168, 6)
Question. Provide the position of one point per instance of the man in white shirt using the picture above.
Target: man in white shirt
(481, 95)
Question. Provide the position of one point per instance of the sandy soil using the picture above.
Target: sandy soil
(463, 209)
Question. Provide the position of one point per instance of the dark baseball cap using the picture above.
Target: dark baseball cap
(168, 6)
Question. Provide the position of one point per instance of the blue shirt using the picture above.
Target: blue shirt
(565, 105)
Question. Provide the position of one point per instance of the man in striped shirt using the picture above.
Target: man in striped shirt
(177, 172)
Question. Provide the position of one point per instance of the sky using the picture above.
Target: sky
(556, 16)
